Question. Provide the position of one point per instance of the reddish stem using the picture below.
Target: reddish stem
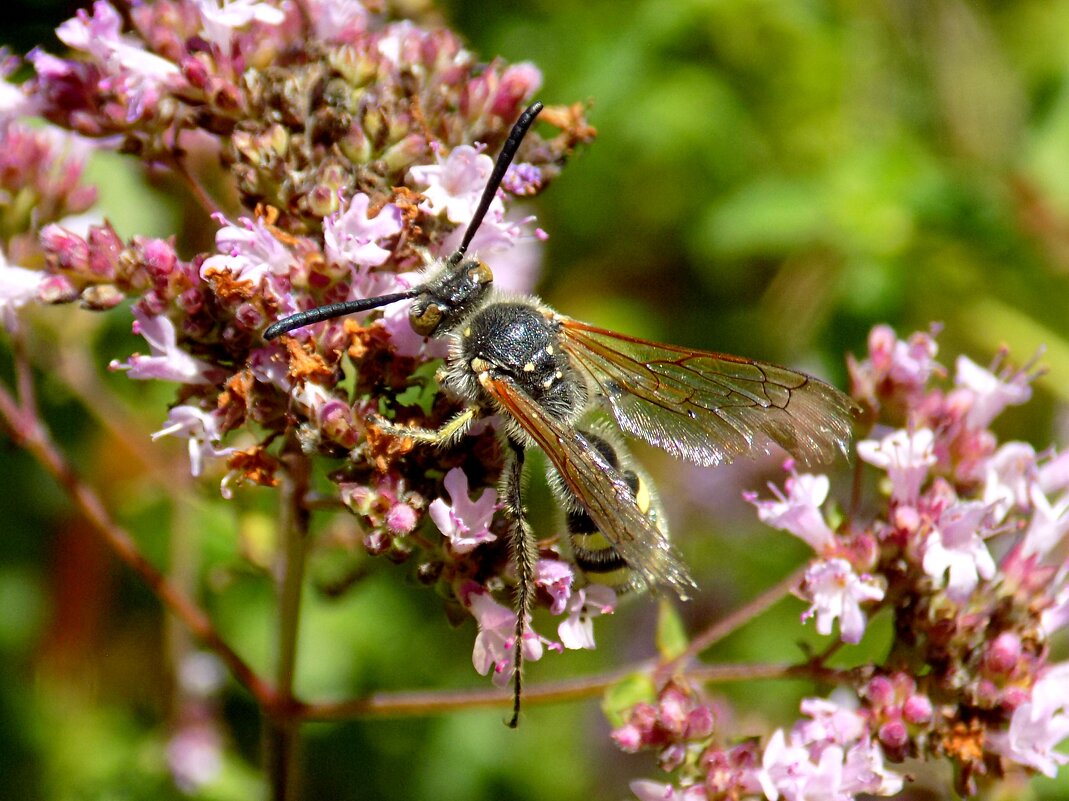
(29, 432)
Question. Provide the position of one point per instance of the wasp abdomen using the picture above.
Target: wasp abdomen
(592, 552)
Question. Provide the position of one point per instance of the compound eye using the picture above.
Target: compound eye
(425, 320)
(482, 274)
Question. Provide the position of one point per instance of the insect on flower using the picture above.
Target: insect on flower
(543, 373)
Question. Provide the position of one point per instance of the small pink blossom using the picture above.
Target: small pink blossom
(338, 21)
(518, 82)
(646, 790)
(556, 578)
(1057, 616)
(905, 456)
(269, 366)
(522, 179)
(909, 363)
(830, 722)
(223, 18)
(1054, 473)
(133, 72)
(14, 102)
(18, 286)
(455, 184)
(800, 771)
(248, 250)
(195, 755)
(838, 592)
(955, 549)
(990, 393)
(1039, 725)
(401, 519)
(465, 523)
(1048, 525)
(585, 604)
(351, 236)
(202, 430)
(496, 641)
(1009, 475)
(168, 362)
(798, 512)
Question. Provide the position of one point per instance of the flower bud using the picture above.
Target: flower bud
(880, 691)
(401, 518)
(101, 297)
(56, 289)
(917, 710)
(1003, 654)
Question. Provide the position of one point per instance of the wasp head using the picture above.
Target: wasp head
(448, 297)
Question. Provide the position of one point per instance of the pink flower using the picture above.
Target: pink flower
(578, 630)
(1009, 475)
(1057, 616)
(465, 523)
(14, 102)
(223, 18)
(248, 251)
(1048, 525)
(905, 456)
(522, 179)
(838, 592)
(338, 20)
(646, 790)
(517, 83)
(18, 286)
(401, 518)
(168, 362)
(830, 722)
(802, 771)
(990, 393)
(798, 512)
(134, 73)
(195, 755)
(1039, 725)
(909, 363)
(496, 640)
(955, 547)
(1054, 474)
(555, 577)
(455, 184)
(351, 236)
(202, 430)
(269, 366)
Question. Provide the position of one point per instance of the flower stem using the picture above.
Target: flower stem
(438, 702)
(29, 432)
(736, 620)
(282, 732)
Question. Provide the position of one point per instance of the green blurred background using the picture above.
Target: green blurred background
(771, 178)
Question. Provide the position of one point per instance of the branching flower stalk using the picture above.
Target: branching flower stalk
(351, 148)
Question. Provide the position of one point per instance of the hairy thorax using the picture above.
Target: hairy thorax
(518, 342)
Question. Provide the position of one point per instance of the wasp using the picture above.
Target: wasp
(543, 372)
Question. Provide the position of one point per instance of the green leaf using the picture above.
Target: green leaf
(623, 695)
(424, 387)
(672, 639)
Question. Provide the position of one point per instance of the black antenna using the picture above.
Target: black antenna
(504, 159)
(321, 313)
(332, 310)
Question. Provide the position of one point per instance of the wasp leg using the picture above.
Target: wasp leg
(524, 554)
(449, 433)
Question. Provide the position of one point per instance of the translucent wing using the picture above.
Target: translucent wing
(708, 407)
(600, 488)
